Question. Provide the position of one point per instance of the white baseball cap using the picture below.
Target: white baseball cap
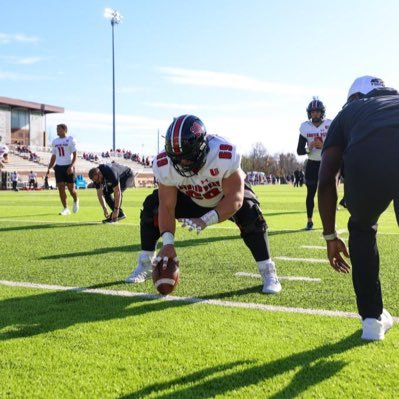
(365, 84)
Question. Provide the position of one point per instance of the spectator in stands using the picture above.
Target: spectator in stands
(111, 180)
(14, 180)
(64, 158)
(3, 155)
(32, 179)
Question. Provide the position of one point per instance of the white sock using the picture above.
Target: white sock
(267, 266)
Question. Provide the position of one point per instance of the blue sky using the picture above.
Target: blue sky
(248, 68)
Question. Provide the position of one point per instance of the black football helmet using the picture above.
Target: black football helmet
(185, 139)
(316, 105)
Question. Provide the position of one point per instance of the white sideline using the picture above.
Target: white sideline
(313, 246)
(311, 260)
(291, 278)
(231, 304)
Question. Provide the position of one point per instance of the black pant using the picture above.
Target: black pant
(125, 181)
(311, 179)
(248, 218)
(371, 183)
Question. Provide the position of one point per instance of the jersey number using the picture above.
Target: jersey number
(61, 151)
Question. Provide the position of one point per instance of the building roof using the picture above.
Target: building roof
(45, 108)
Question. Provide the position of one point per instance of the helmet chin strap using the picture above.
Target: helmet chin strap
(317, 120)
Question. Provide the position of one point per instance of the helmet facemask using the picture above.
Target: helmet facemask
(185, 141)
(197, 160)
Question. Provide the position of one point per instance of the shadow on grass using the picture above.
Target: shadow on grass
(46, 226)
(43, 313)
(24, 317)
(314, 367)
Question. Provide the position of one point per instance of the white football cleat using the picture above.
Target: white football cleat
(65, 212)
(75, 206)
(271, 285)
(143, 270)
(374, 329)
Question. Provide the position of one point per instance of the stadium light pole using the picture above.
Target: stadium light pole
(115, 18)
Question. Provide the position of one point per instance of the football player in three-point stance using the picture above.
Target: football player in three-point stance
(200, 183)
(311, 139)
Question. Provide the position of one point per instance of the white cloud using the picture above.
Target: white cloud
(6, 38)
(20, 60)
(20, 76)
(140, 133)
(196, 77)
(222, 107)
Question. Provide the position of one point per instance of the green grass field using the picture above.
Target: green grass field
(58, 343)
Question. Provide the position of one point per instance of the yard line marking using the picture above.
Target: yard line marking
(291, 278)
(313, 246)
(311, 260)
(231, 304)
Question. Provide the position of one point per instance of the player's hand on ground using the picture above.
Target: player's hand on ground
(166, 252)
(196, 224)
(334, 250)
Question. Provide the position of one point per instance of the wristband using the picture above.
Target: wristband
(212, 217)
(330, 237)
(168, 238)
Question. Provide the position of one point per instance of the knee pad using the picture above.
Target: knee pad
(250, 219)
(149, 212)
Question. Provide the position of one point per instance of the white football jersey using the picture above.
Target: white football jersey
(3, 150)
(204, 188)
(63, 148)
(312, 133)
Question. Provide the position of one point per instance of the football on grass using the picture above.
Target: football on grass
(165, 278)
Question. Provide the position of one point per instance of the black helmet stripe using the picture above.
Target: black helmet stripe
(177, 133)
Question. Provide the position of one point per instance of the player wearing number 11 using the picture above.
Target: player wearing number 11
(200, 183)
(64, 158)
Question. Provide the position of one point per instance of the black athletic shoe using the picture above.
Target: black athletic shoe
(309, 226)
(121, 217)
(108, 220)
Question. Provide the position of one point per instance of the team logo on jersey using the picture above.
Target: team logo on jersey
(197, 129)
(214, 172)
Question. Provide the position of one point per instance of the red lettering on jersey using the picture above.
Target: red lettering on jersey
(162, 162)
(214, 172)
(161, 155)
(226, 147)
(212, 193)
(225, 155)
(193, 194)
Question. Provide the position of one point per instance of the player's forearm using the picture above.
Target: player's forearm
(101, 198)
(229, 205)
(117, 197)
(52, 160)
(166, 219)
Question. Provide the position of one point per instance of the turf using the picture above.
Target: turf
(65, 344)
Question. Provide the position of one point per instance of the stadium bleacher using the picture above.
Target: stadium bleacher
(21, 162)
